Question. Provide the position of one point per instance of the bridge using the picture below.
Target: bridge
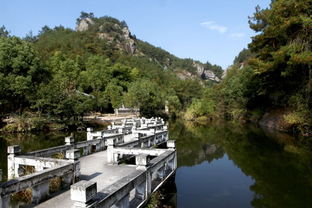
(117, 167)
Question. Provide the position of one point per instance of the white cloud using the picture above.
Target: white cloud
(237, 35)
(211, 25)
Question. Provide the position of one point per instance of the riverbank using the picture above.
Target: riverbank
(278, 119)
(30, 122)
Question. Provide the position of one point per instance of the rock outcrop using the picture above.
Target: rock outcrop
(275, 119)
(118, 35)
(84, 24)
(183, 75)
(205, 74)
(126, 41)
(130, 45)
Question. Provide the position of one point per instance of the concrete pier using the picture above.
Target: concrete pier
(93, 167)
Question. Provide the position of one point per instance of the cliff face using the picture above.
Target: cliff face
(119, 36)
(84, 24)
(204, 73)
(125, 41)
(130, 45)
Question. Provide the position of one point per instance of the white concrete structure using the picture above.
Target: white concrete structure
(134, 138)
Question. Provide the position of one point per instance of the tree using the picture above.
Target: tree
(4, 32)
(60, 96)
(283, 56)
(20, 73)
(84, 15)
(30, 37)
(283, 46)
(113, 94)
(145, 95)
(243, 56)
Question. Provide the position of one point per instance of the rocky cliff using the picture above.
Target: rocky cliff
(205, 73)
(119, 36)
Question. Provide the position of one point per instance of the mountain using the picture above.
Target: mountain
(118, 36)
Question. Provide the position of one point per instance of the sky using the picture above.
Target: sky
(204, 30)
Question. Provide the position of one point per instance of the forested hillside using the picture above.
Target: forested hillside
(62, 74)
(270, 81)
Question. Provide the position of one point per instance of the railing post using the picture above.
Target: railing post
(110, 151)
(149, 142)
(89, 134)
(76, 171)
(12, 167)
(69, 140)
(133, 128)
(83, 194)
(73, 155)
(140, 191)
(171, 144)
(149, 179)
(153, 142)
(141, 161)
(120, 130)
(98, 147)
(85, 150)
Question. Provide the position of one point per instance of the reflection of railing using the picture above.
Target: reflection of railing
(148, 177)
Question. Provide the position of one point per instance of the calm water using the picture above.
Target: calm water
(221, 165)
(227, 166)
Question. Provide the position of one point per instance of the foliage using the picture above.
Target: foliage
(217, 70)
(23, 196)
(155, 200)
(274, 72)
(283, 55)
(20, 73)
(145, 95)
(205, 106)
(4, 32)
(55, 184)
(62, 73)
(243, 56)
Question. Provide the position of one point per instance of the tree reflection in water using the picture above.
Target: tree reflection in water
(271, 169)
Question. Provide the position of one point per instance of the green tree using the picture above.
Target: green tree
(60, 96)
(113, 94)
(283, 55)
(20, 74)
(145, 95)
(4, 32)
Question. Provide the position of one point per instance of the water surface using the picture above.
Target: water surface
(219, 165)
(226, 165)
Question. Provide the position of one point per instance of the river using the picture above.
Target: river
(221, 165)
(226, 165)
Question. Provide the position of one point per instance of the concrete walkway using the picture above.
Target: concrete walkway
(94, 167)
